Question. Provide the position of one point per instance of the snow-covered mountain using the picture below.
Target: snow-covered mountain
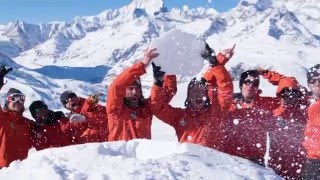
(85, 55)
(93, 49)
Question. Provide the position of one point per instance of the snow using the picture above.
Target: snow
(136, 159)
(179, 53)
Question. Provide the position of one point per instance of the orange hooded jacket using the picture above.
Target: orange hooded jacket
(62, 133)
(203, 128)
(97, 122)
(15, 137)
(312, 131)
(124, 122)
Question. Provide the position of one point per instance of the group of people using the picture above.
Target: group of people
(246, 124)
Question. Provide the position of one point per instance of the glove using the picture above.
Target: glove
(94, 98)
(157, 75)
(261, 71)
(77, 118)
(209, 55)
(225, 55)
(4, 70)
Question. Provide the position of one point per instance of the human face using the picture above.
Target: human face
(314, 85)
(197, 98)
(16, 102)
(41, 116)
(72, 103)
(250, 87)
(290, 96)
(133, 95)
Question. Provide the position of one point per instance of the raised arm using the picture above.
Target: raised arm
(220, 87)
(117, 89)
(3, 71)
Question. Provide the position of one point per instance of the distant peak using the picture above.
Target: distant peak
(260, 5)
(150, 7)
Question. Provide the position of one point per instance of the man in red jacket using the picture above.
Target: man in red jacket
(207, 101)
(129, 113)
(53, 129)
(249, 119)
(312, 131)
(15, 138)
(286, 152)
(89, 111)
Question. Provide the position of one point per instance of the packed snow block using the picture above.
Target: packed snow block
(179, 53)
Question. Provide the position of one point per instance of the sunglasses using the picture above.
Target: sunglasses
(313, 81)
(254, 82)
(16, 97)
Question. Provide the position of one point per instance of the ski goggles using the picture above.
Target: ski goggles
(16, 97)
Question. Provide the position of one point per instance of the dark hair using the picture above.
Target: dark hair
(36, 105)
(65, 96)
(313, 72)
(244, 75)
(197, 83)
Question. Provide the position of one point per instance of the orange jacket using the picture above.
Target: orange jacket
(125, 123)
(15, 138)
(312, 131)
(247, 125)
(62, 133)
(97, 122)
(246, 132)
(203, 128)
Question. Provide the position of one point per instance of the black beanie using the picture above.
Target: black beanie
(36, 105)
(313, 72)
(12, 91)
(65, 96)
(244, 75)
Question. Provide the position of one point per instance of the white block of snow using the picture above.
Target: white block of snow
(179, 53)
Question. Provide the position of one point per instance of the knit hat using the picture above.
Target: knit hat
(244, 75)
(313, 72)
(36, 106)
(65, 96)
(12, 91)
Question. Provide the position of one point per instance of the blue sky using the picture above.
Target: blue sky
(36, 11)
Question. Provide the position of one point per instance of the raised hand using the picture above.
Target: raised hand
(4, 70)
(149, 55)
(157, 74)
(225, 55)
(94, 98)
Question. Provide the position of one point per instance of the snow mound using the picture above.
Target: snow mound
(137, 159)
(179, 53)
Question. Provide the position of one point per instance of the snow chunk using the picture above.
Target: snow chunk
(180, 53)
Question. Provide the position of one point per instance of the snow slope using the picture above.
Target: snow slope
(136, 159)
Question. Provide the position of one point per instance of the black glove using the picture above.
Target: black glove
(4, 70)
(157, 75)
(209, 55)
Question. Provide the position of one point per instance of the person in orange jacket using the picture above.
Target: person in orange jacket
(53, 129)
(129, 113)
(249, 119)
(286, 152)
(15, 138)
(89, 111)
(312, 131)
(207, 100)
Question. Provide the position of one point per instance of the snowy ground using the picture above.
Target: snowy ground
(137, 159)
